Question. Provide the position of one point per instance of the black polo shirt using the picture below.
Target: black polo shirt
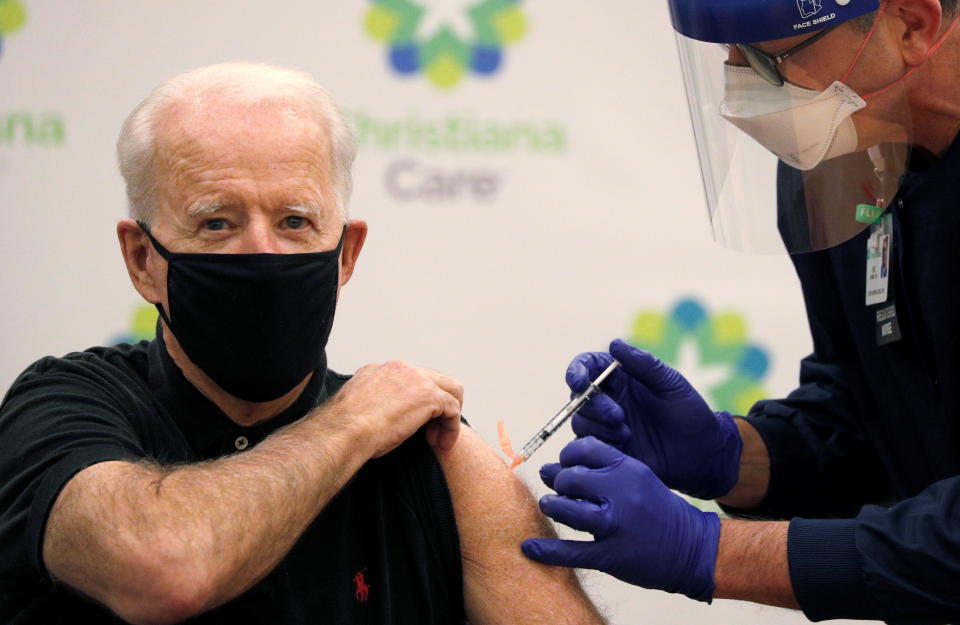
(384, 550)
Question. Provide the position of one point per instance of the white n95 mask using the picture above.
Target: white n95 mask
(803, 127)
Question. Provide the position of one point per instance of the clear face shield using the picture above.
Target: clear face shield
(786, 167)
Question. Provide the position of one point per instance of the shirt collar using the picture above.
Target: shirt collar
(922, 161)
(203, 424)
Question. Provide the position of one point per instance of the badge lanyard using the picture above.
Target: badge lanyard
(879, 257)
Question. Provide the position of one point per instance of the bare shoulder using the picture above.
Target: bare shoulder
(495, 512)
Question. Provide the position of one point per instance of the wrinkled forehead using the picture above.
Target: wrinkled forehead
(216, 134)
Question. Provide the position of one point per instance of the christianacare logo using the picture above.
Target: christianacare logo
(12, 18)
(712, 351)
(448, 41)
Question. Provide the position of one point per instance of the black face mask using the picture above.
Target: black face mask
(257, 324)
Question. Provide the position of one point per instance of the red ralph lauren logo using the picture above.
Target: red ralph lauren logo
(362, 589)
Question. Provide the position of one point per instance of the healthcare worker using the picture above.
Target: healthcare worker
(834, 137)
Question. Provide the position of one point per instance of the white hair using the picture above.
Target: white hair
(244, 83)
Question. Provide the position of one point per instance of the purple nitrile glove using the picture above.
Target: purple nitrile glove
(649, 411)
(644, 534)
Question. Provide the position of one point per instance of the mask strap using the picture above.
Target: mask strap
(863, 46)
(933, 48)
(166, 319)
(164, 252)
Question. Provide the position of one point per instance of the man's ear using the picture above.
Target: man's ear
(135, 247)
(921, 22)
(353, 238)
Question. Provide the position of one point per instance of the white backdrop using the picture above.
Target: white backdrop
(494, 262)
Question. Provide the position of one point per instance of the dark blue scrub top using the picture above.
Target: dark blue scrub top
(867, 448)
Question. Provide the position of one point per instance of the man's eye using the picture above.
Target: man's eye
(215, 224)
(294, 222)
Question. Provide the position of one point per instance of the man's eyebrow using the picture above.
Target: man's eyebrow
(304, 209)
(202, 209)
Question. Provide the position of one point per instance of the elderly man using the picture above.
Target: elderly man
(222, 470)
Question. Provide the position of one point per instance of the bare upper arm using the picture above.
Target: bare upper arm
(92, 544)
(495, 513)
(73, 524)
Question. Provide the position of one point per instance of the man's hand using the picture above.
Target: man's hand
(644, 534)
(393, 400)
(651, 412)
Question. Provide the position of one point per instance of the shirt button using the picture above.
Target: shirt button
(241, 443)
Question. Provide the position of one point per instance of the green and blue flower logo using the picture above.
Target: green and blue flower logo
(732, 367)
(447, 42)
(12, 18)
(143, 326)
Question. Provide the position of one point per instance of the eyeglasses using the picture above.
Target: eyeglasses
(766, 64)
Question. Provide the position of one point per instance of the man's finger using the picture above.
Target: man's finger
(590, 452)
(647, 368)
(602, 409)
(584, 368)
(451, 408)
(442, 434)
(448, 384)
(581, 515)
(579, 482)
(615, 436)
(548, 473)
(573, 553)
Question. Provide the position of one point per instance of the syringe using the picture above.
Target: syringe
(561, 417)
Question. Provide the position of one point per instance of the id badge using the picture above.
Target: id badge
(879, 253)
(888, 326)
